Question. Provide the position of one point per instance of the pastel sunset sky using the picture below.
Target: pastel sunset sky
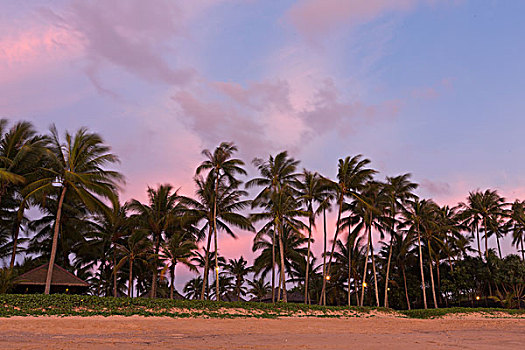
(431, 87)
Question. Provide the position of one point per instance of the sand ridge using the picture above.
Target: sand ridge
(248, 333)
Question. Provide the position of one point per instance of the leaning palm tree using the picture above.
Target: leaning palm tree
(276, 174)
(311, 190)
(178, 250)
(224, 212)
(221, 165)
(352, 174)
(76, 167)
(397, 190)
(159, 217)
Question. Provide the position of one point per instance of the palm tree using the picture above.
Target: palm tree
(398, 190)
(281, 209)
(223, 212)
(352, 174)
(76, 166)
(137, 247)
(179, 249)
(158, 217)
(311, 189)
(517, 225)
(238, 269)
(276, 174)
(485, 208)
(370, 208)
(259, 288)
(292, 252)
(21, 155)
(221, 166)
(193, 287)
(417, 213)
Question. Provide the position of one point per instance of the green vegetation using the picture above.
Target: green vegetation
(85, 305)
(384, 246)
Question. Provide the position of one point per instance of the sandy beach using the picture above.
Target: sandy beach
(286, 333)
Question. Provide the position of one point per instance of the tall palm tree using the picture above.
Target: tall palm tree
(160, 217)
(221, 165)
(397, 190)
(352, 174)
(178, 250)
(225, 212)
(77, 167)
(311, 189)
(277, 174)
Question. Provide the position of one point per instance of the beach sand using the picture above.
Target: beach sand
(379, 332)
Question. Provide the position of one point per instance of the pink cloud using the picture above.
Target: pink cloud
(314, 18)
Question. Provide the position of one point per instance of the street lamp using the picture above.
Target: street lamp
(327, 277)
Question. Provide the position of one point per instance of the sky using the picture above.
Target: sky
(430, 87)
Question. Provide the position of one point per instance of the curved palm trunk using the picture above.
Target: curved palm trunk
(374, 268)
(281, 250)
(406, 289)
(327, 272)
(432, 276)
(479, 243)
(16, 231)
(217, 294)
(349, 270)
(114, 273)
(421, 268)
(130, 286)
(155, 267)
(364, 269)
(522, 250)
(55, 242)
(206, 271)
(486, 238)
(499, 247)
(323, 292)
(387, 277)
(273, 262)
(306, 294)
(172, 284)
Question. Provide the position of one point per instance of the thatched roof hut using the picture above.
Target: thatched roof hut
(62, 281)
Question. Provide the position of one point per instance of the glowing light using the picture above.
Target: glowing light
(364, 284)
(217, 269)
(327, 278)
(388, 289)
(477, 297)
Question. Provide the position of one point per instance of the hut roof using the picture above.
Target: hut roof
(61, 277)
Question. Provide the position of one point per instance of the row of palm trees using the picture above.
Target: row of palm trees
(385, 238)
